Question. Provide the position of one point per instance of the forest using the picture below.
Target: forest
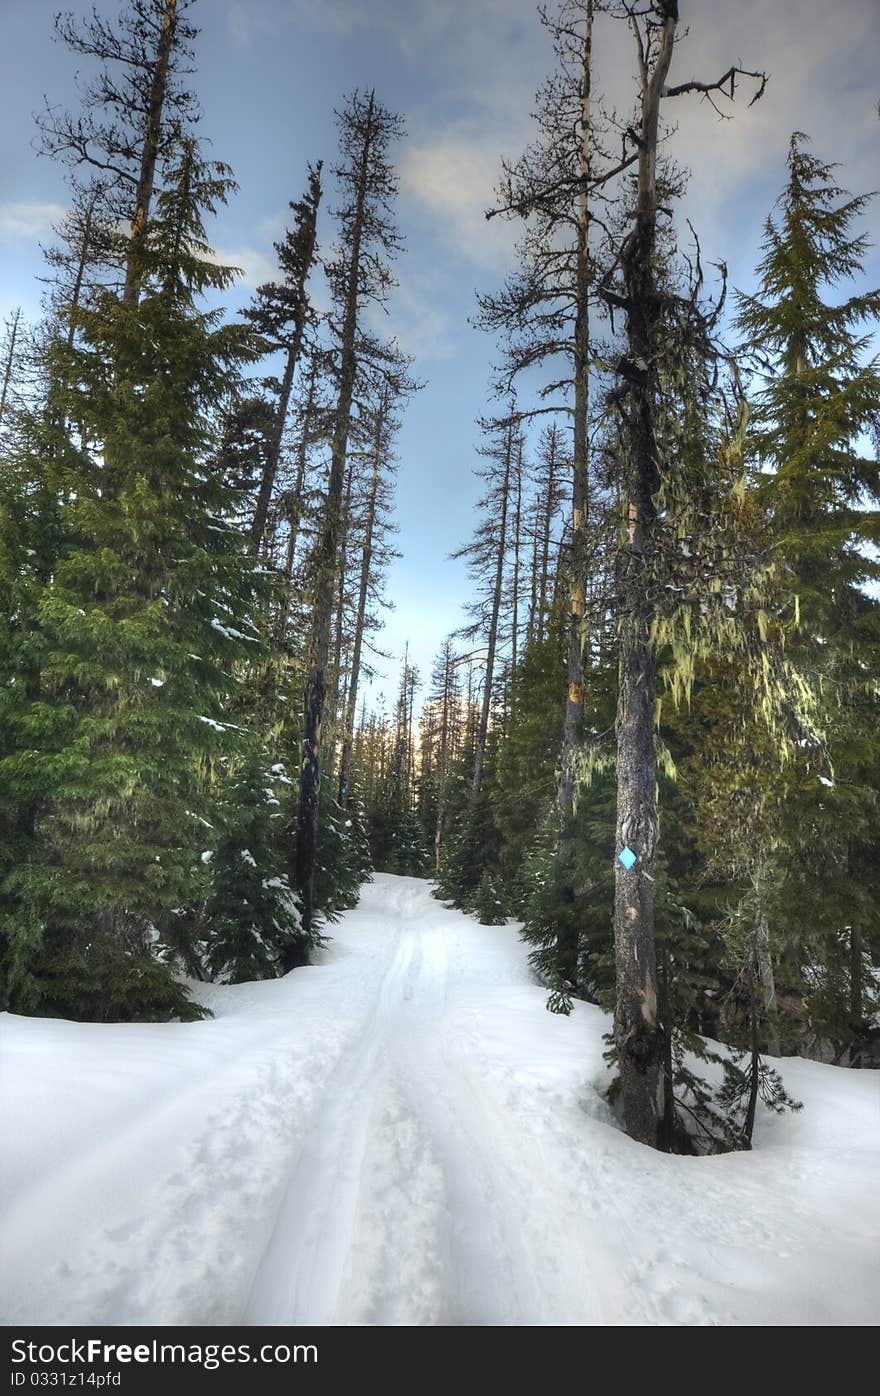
(648, 746)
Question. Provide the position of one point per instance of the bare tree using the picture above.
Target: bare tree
(280, 314)
(650, 330)
(358, 273)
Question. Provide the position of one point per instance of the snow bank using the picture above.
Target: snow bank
(403, 1134)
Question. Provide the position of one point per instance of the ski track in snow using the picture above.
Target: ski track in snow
(402, 1135)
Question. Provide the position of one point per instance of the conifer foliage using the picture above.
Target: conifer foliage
(154, 502)
(653, 740)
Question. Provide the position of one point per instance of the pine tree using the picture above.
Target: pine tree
(133, 118)
(250, 912)
(816, 388)
(280, 314)
(486, 557)
(374, 557)
(359, 274)
(544, 308)
(130, 635)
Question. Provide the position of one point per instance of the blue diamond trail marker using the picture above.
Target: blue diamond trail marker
(627, 857)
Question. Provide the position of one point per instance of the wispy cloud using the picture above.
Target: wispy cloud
(29, 221)
(450, 179)
(253, 264)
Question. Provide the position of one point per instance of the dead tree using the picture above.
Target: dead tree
(637, 1028)
(486, 555)
(376, 507)
(358, 273)
(280, 315)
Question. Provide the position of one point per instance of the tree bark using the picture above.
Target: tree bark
(856, 1004)
(296, 505)
(10, 360)
(134, 268)
(567, 941)
(764, 963)
(294, 349)
(443, 760)
(339, 623)
(637, 1029)
(517, 524)
(328, 543)
(547, 527)
(574, 703)
(483, 727)
(361, 614)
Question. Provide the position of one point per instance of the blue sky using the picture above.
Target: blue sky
(463, 73)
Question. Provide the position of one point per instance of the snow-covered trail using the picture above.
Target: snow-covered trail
(402, 1135)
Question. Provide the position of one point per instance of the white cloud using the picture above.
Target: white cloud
(254, 265)
(451, 178)
(29, 221)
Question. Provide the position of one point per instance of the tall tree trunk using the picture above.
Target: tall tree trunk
(517, 524)
(328, 543)
(295, 509)
(443, 760)
(483, 727)
(547, 528)
(10, 360)
(571, 733)
(764, 961)
(856, 996)
(567, 941)
(134, 268)
(637, 1029)
(361, 614)
(81, 264)
(754, 1056)
(294, 349)
(533, 630)
(341, 577)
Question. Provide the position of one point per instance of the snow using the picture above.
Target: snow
(229, 631)
(401, 1134)
(211, 722)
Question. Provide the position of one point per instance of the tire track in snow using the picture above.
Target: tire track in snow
(300, 1273)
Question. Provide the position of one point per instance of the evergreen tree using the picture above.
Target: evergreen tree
(359, 275)
(817, 388)
(486, 555)
(128, 636)
(250, 913)
(280, 314)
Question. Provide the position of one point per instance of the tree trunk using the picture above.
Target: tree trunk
(764, 964)
(517, 524)
(532, 629)
(341, 576)
(294, 349)
(483, 727)
(361, 614)
(328, 544)
(855, 989)
(296, 506)
(574, 703)
(442, 763)
(567, 941)
(754, 1059)
(637, 1030)
(134, 269)
(10, 360)
(545, 541)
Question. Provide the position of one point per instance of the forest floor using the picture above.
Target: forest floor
(401, 1134)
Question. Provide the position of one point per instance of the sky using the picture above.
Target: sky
(463, 74)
